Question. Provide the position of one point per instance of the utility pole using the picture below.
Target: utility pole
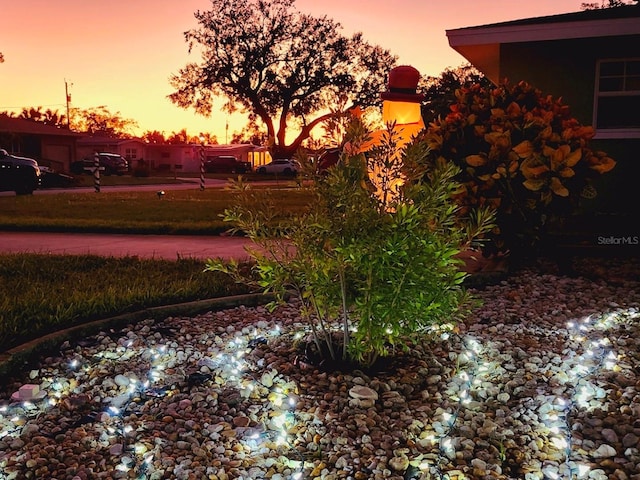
(68, 97)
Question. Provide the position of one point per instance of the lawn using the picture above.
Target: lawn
(43, 293)
(191, 212)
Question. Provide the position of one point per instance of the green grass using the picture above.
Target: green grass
(44, 293)
(115, 180)
(191, 212)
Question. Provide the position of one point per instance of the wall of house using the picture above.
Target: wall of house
(128, 149)
(567, 69)
(562, 69)
(171, 158)
(58, 154)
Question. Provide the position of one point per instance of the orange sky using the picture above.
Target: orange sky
(120, 53)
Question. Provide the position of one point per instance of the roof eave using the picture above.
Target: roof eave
(481, 45)
(543, 31)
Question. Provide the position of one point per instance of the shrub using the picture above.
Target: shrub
(519, 152)
(373, 259)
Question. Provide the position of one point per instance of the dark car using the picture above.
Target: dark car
(18, 174)
(226, 164)
(49, 178)
(109, 164)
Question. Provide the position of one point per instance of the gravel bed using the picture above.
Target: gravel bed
(541, 381)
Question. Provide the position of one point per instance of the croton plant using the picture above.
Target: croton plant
(520, 152)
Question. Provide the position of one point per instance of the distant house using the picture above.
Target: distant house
(166, 157)
(592, 60)
(186, 158)
(132, 149)
(49, 145)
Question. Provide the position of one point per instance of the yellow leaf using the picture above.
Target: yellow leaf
(573, 158)
(476, 160)
(558, 188)
(496, 176)
(559, 156)
(533, 185)
(532, 168)
(484, 178)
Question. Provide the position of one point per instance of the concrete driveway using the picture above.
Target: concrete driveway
(170, 247)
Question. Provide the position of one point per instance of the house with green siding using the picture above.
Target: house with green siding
(591, 59)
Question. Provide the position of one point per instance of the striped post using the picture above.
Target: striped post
(201, 166)
(96, 172)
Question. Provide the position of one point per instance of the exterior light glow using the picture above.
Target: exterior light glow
(401, 103)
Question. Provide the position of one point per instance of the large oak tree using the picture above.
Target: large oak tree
(288, 69)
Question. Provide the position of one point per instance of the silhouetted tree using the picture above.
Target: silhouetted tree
(49, 117)
(207, 138)
(178, 138)
(1, 57)
(608, 4)
(154, 137)
(278, 65)
(100, 121)
(251, 133)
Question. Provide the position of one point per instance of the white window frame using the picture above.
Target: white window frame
(617, 132)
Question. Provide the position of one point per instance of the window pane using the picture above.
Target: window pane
(611, 68)
(619, 112)
(633, 68)
(611, 84)
(633, 83)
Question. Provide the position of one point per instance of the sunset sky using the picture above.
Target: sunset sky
(120, 53)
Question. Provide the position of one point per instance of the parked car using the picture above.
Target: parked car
(283, 166)
(109, 164)
(226, 164)
(18, 174)
(49, 178)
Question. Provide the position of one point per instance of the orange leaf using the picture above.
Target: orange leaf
(476, 160)
(532, 168)
(558, 188)
(533, 185)
(524, 149)
(559, 156)
(567, 172)
(573, 158)
(602, 165)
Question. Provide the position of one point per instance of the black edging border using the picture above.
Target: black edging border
(17, 358)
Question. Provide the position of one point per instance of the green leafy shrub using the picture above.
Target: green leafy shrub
(374, 258)
(520, 152)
